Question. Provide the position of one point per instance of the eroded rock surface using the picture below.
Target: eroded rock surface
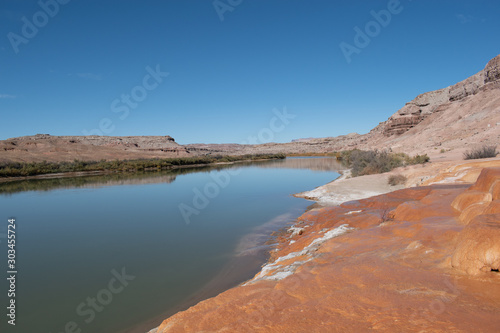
(478, 248)
(476, 200)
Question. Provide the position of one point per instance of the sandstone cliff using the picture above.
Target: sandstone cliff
(424, 105)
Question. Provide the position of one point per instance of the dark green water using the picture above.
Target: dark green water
(76, 235)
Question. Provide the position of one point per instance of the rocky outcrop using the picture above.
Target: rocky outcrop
(477, 199)
(492, 70)
(400, 125)
(478, 248)
(469, 86)
(426, 104)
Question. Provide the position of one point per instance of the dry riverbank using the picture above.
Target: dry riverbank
(417, 259)
(346, 188)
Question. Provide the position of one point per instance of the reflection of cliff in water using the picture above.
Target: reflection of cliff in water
(154, 177)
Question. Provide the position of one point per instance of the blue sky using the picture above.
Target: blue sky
(225, 77)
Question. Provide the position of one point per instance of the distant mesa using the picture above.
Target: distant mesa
(46, 147)
(144, 142)
(303, 140)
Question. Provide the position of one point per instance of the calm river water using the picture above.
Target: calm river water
(120, 253)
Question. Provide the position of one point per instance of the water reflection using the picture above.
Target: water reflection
(310, 163)
(76, 230)
(154, 177)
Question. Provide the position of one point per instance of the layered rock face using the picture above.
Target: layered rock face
(142, 142)
(426, 104)
(399, 262)
(492, 70)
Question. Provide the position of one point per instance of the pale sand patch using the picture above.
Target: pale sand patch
(347, 189)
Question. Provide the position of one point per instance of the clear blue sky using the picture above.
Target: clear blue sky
(226, 77)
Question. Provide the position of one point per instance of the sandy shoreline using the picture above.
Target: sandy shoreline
(346, 188)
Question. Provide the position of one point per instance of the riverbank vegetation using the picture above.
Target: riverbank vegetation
(22, 169)
(371, 162)
(334, 154)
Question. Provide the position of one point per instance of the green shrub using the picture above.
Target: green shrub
(372, 162)
(483, 152)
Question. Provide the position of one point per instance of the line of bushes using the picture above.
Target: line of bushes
(333, 154)
(16, 169)
(371, 162)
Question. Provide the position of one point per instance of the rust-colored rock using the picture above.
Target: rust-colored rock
(473, 210)
(478, 248)
(487, 180)
(477, 199)
(430, 205)
(470, 197)
(493, 208)
(495, 190)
